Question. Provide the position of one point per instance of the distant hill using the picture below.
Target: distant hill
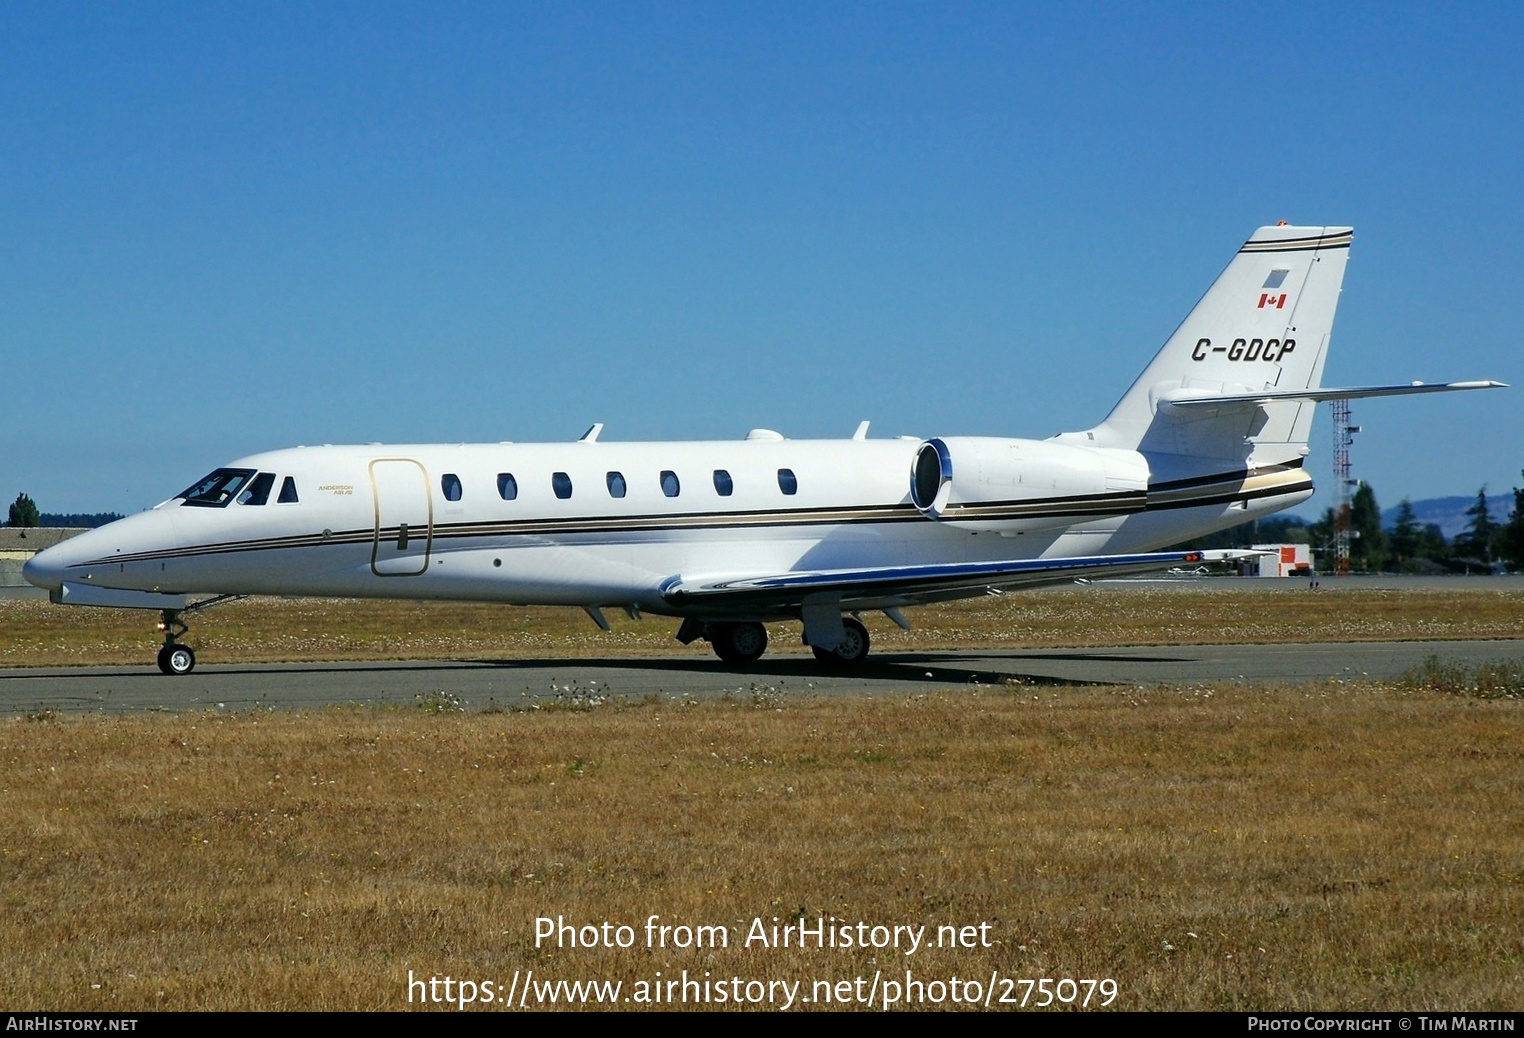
(1449, 513)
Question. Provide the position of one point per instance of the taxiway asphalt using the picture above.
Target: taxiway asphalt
(509, 684)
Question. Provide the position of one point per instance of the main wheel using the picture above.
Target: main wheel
(853, 648)
(738, 643)
(177, 659)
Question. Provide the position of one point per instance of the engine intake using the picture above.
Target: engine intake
(1018, 485)
(931, 477)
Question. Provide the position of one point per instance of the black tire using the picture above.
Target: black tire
(853, 648)
(738, 643)
(177, 659)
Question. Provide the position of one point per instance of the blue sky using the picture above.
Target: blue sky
(233, 227)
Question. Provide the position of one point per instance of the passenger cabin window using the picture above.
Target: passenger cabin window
(787, 483)
(287, 491)
(560, 482)
(616, 484)
(259, 490)
(669, 483)
(450, 484)
(722, 484)
(217, 489)
(507, 486)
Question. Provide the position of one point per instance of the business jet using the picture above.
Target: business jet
(731, 536)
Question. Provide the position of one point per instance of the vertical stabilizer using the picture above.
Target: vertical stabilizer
(1264, 325)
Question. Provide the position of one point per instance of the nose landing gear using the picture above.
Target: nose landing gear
(174, 657)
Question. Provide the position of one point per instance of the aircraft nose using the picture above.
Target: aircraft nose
(51, 567)
(76, 558)
(46, 568)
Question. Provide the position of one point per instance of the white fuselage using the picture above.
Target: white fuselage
(440, 521)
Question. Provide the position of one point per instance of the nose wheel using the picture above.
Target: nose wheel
(177, 659)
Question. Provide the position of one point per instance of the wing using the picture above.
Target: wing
(886, 587)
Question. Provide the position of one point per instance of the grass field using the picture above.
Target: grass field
(34, 633)
(1336, 846)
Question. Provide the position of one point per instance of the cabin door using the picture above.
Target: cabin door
(404, 518)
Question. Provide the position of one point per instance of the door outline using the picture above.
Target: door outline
(395, 514)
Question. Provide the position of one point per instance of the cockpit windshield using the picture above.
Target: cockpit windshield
(217, 489)
(259, 490)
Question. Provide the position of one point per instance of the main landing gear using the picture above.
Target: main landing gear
(853, 648)
(744, 643)
(175, 658)
(738, 643)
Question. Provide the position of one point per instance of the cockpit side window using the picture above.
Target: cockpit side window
(216, 489)
(287, 491)
(259, 490)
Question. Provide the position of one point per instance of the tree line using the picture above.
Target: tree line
(24, 512)
(1408, 547)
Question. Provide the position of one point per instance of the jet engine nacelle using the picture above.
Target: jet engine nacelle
(1012, 486)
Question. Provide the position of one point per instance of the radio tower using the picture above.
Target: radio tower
(1344, 435)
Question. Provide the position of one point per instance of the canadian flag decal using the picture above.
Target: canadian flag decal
(1266, 299)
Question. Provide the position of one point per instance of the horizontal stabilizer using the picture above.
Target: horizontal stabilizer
(1192, 399)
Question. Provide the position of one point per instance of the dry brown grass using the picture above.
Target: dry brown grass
(1333, 846)
(36, 634)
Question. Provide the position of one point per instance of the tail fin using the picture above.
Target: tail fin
(1263, 326)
